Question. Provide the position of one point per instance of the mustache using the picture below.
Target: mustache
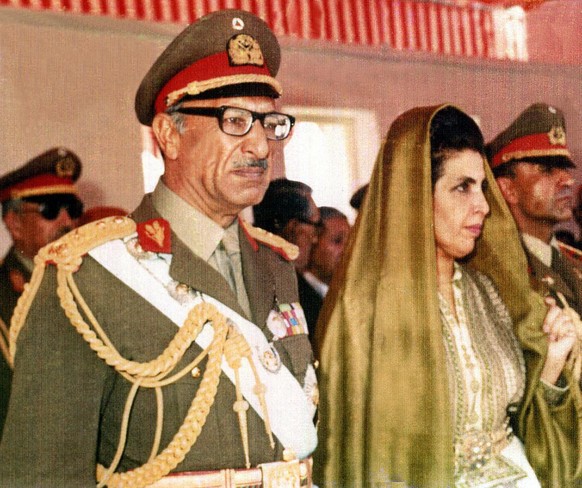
(251, 163)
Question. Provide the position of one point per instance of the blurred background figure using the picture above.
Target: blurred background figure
(358, 197)
(325, 256)
(577, 214)
(566, 237)
(288, 210)
(39, 204)
(97, 213)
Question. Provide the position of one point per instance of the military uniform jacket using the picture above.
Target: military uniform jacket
(67, 404)
(565, 278)
(13, 275)
(311, 303)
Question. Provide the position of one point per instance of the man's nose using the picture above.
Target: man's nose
(256, 142)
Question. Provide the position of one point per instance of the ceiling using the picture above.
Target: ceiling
(526, 4)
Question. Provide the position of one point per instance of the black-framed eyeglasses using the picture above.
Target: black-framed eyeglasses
(236, 121)
(49, 206)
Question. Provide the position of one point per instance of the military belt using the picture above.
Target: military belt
(292, 474)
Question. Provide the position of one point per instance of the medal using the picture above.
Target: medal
(276, 324)
(269, 357)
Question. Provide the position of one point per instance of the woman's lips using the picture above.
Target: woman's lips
(475, 229)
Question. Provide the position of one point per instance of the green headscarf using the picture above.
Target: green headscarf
(385, 414)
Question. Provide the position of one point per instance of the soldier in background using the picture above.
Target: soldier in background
(39, 205)
(288, 210)
(358, 197)
(533, 168)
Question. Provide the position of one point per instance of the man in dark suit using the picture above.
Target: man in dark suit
(288, 210)
(39, 204)
(175, 353)
(533, 168)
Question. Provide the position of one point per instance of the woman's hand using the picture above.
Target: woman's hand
(561, 334)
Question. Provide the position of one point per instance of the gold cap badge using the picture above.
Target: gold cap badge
(557, 136)
(244, 50)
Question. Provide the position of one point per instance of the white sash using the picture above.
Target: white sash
(287, 404)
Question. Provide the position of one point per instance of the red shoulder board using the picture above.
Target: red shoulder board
(276, 243)
(570, 251)
(154, 236)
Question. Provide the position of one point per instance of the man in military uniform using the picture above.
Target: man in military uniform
(532, 165)
(288, 210)
(39, 204)
(174, 354)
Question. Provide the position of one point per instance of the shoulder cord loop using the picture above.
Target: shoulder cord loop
(67, 253)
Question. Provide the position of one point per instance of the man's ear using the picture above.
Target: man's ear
(507, 187)
(13, 223)
(167, 135)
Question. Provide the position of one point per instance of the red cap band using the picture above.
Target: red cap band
(214, 66)
(534, 145)
(47, 184)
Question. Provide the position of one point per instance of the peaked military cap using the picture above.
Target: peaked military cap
(226, 53)
(54, 171)
(538, 135)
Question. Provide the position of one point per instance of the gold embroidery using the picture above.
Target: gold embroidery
(244, 49)
(557, 136)
(155, 232)
(65, 167)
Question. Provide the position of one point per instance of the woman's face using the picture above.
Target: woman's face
(459, 205)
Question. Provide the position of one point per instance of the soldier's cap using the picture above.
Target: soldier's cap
(227, 53)
(52, 172)
(537, 135)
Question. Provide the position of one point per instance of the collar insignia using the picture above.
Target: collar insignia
(154, 236)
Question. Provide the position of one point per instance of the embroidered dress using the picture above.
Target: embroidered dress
(487, 375)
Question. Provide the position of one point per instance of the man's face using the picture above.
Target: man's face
(304, 234)
(543, 194)
(330, 246)
(217, 173)
(31, 231)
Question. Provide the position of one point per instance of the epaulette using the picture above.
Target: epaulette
(570, 251)
(70, 248)
(282, 247)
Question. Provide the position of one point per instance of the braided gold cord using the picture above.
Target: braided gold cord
(234, 349)
(159, 423)
(155, 369)
(188, 433)
(122, 435)
(23, 306)
(66, 253)
(260, 390)
(237, 348)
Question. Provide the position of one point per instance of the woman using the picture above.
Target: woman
(419, 365)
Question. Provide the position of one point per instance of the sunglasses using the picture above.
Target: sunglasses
(50, 206)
